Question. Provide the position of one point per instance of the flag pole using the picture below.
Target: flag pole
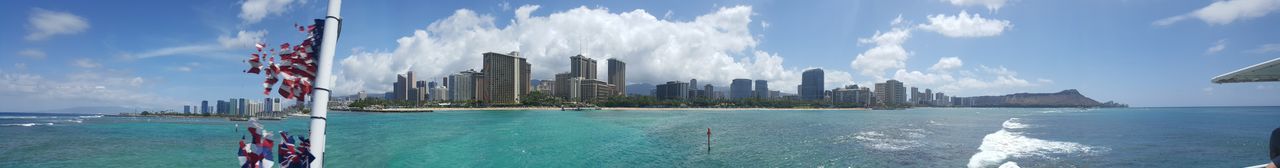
(324, 80)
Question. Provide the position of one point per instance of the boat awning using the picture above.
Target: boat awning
(1262, 72)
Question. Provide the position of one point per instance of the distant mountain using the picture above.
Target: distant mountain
(1065, 98)
(640, 89)
(95, 110)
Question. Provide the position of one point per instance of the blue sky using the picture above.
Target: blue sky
(164, 54)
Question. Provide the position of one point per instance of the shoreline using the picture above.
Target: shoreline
(424, 110)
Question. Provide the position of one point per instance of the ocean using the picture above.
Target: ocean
(920, 137)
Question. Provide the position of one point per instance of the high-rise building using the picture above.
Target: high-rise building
(267, 105)
(740, 89)
(564, 88)
(762, 89)
(507, 77)
(847, 94)
(709, 91)
(595, 90)
(673, 90)
(222, 107)
(463, 85)
(400, 90)
(928, 97)
(408, 86)
(277, 107)
(204, 107)
(233, 107)
(242, 107)
(693, 84)
(915, 95)
(891, 92)
(618, 76)
(811, 84)
(865, 96)
(581, 66)
(941, 99)
(439, 93)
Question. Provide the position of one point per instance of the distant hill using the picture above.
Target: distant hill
(1065, 98)
(640, 89)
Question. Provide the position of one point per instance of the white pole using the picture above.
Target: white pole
(324, 80)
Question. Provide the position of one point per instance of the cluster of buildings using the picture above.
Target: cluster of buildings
(505, 79)
(580, 83)
(812, 88)
(237, 107)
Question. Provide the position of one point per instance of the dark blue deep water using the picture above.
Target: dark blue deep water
(922, 137)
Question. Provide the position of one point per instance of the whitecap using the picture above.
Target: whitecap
(1013, 123)
(1005, 144)
(1010, 164)
(92, 116)
(27, 124)
(880, 141)
(18, 117)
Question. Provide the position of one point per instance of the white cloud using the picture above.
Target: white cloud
(965, 25)
(1217, 46)
(85, 63)
(504, 5)
(1226, 11)
(187, 68)
(992, 5)
(20, 66)
(31, 92)
(242, 40)
(887, 54)
(45, 23)
(947, 63)
(764, 25)
(713, 48)
(986, 81)
(32, 53)
(897, 21)
(253, 11)
(1266, 48)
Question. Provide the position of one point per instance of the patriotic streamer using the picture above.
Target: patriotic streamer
(289, 154)
(295, 70)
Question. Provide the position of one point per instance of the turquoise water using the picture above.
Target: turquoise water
(923, 137)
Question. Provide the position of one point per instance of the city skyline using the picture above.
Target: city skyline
(1145, 53)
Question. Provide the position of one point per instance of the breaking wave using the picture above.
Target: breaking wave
(1008, 143)
(27, 124)
(896, 139)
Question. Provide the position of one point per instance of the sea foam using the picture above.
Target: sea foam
(27, 124)
(1009, 143)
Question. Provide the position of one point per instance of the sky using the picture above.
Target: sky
(165, 54)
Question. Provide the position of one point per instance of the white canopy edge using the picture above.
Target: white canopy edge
(1262, 72)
